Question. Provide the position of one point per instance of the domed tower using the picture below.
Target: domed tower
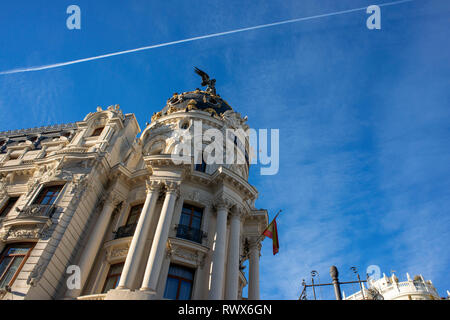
(207, 225)
(185, 222)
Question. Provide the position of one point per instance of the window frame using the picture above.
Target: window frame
(99, 129)
(191, 214)
(42, 194)
(117, 275)
(141, 205)
(180, 279)
(29, 245)
(201, 167)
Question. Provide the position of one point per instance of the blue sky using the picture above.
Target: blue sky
(363, 114)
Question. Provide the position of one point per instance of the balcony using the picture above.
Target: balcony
(37, 210)
(31, 222)
(189, 233)
(125, 231)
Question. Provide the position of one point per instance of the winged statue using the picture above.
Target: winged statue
(206, 81)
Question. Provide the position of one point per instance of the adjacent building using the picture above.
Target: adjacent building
(390, 288)
(98, 209)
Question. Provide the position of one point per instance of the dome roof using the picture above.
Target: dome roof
(198, 99)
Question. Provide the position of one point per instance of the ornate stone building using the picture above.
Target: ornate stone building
(89, 211)
(390, 288)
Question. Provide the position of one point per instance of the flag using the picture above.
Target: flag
(272, 233)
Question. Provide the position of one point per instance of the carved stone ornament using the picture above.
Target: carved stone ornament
(172, 186)
(115, 109)
(152, 185)
(238, 211)
(192, 105)
(115, 199)
(80, 184)
(177, 98)
(118, 252)
(23, 232)
(171, 110)
(48, 173)
(3, 192)
(211, 111)
(255, 243)
(194, 195)
(195, 257)
(156, 116)
(234, 120)
(222, 202)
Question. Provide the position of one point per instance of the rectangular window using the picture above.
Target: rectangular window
(190, 223)
(8, 206)
(11, 262)
(135, 212)
(48, 195)
(113, 277)
(128, 229)
(179, 283)
(201, 166)
(97, 132)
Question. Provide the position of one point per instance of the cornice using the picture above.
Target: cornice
(223, 174)
(37, 130)
(128, 176)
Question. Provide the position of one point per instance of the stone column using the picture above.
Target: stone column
(98, 283)
(94, 243)
(140, 236)
(157, 252)
(253, 286)
(232, 287)
(218, 267)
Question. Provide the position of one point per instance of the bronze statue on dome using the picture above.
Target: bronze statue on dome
(206, 81)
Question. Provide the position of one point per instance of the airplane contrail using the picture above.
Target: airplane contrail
(165, 44)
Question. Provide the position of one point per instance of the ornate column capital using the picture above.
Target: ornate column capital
(254, 243)
(152, 185)
(172, 186)
(237, 212)
(115, 199)
(109, 197)
(222, 202)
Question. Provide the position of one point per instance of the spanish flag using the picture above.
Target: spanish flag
(272, 233)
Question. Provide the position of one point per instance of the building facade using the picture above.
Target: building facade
(89, 211)
(390, 288)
